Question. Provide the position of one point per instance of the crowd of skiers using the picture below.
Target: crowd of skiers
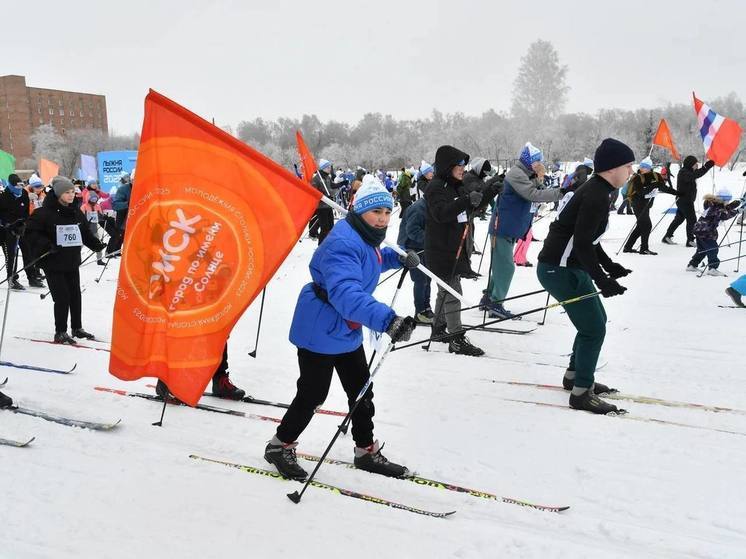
(438, 205)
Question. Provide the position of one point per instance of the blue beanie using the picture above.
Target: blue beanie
(530, 154)
(425, 168)
(371, 195)
(324, 163)
(646, 163)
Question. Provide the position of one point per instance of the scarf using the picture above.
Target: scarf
(371, 235)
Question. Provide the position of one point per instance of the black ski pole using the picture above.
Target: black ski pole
(740, 244)
(719, 244)
(546, 308)
(296, 496)
(159, 423)
(82, 265)
(344, 426)
(439, 309)
(663, 216)
(650, 203)
(259, 326)
(499, 301)
(498, 320)
(29, 265)
(484, 247)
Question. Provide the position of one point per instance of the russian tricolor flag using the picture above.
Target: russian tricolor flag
(720, 135)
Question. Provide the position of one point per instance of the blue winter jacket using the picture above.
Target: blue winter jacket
(412, 227)
(347, 268)
(121, 199)
(514, 204)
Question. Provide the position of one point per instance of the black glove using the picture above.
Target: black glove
(617, 271)
(17, 228)
(733, 204)
(709, 164)
(409, 260)
(475, 198)
(609, 287)
(400, 329)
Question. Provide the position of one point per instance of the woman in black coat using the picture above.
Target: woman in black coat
(58, 230)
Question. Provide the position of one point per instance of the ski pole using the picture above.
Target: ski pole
(391, 275)
(499, 301)
(7, 297)
(439, 310)
(546, 308)
(30, 264)
(498, 320)
(82, 265)
(664, 215)
(720, 243)
(259, 326)
(296, 496)
(650, 203)
(396, 248)
(484, 247)
(740, 244)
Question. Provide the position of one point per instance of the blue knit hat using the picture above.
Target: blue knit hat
(425, 168)
(324, 163)
(646, 163)
(371, 195)
(530, 154)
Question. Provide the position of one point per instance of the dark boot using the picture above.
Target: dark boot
(80, 333)
(222, 387)
(462, 346)
(161, 389)
(63, 338)
(588, 401)
(598, 388)
(36, 282)
(371, 460)
(282, 456)
(5, 401)
(735, 296)
(16, 285)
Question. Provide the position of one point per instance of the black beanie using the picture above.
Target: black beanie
(612, 154)
(14, 179)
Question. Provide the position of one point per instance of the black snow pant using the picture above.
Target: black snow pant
(684, 211)
(643, 226)
(10, 245)
(115, 241)
(326, 222)
(313, 386)
(65, 290)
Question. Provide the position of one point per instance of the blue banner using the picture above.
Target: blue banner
(112, 165)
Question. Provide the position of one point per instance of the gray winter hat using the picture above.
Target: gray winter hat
(60, 185)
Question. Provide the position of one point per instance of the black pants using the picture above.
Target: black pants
(624, 206)
(684, 211)
(10, 244)
(313, 386)
(65, 290)
(115, 241)
(643, 225)
(326, 222)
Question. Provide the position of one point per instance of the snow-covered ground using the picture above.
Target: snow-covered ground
(636, 489)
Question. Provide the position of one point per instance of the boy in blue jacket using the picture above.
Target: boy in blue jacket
(327, 329)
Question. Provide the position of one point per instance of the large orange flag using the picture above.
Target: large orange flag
(48, 170)
(308, 165)
(664, 139)
(210, 220)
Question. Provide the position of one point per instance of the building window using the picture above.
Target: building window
(51, 111)
(62, 112)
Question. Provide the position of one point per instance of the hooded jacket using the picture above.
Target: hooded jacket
(686, 180)
(324, 187)
(447, 207)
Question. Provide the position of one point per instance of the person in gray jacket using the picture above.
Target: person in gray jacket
(512, 221)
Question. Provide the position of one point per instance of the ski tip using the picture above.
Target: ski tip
(294, 496)
(28, 442)
(75, 365)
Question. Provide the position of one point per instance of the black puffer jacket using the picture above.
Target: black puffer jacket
(13, 209)
(686, 180)
(41, 233)
(446, 201)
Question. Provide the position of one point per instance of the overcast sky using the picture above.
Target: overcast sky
(238, 60)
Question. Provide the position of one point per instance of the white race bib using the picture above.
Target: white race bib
(461, 217)
(69, 236)
(92, 217)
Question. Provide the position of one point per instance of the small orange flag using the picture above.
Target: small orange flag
(308, 165)
(48, 170)
(210, 220)
(664, 139)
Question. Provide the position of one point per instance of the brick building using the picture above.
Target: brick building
(23, 109)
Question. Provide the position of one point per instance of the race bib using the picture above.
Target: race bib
(92, 217)
(462, 217)
(69, 236)
(375, 339)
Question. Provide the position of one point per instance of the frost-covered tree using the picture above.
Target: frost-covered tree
(539, 90)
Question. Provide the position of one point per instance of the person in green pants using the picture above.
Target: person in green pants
(572, 260)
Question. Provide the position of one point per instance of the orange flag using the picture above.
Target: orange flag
(664, 139)
(210, 220)
(48, 170)
(308, 165)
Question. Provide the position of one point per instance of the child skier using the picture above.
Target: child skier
(94, 215)
(706, 232)
(327, 331)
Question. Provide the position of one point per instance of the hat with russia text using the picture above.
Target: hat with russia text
(371, 195)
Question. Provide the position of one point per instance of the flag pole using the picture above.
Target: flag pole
(396, 248)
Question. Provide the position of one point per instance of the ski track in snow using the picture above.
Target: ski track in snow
(635, 489)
